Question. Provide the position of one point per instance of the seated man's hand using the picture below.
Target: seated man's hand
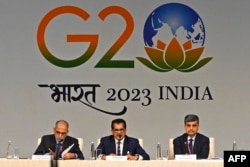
(69, 156)
(103, 157)
(133, 157)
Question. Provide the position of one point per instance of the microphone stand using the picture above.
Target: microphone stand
(53, 163)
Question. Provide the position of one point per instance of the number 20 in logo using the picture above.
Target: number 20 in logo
(106, 61)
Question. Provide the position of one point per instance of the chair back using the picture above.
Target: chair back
(170, 149)
(80, 142)
(211, 147)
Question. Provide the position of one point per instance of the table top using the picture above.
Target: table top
(100, 163)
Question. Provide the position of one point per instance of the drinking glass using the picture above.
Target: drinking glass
(16, 153)
(98, 154)
(164, 154)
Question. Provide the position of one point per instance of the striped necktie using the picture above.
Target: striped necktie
(190, 146)
(118, 148)
(58, 150)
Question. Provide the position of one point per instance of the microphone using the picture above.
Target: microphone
(120, 136)
(186, 146)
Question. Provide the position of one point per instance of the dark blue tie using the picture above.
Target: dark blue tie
(58, 150)
(190, 146)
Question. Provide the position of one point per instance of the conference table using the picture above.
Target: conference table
(100, 163)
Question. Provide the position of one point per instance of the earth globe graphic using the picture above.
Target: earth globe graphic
(174, 20)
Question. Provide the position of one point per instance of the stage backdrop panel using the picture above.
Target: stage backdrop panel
(90, 62)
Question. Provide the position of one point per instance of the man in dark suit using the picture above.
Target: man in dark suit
(192, 142)
(56, 143)
(120, 144)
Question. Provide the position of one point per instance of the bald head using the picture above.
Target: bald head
(61, 130)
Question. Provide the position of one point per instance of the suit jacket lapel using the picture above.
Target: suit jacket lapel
(185, 143)
(65, 143)
(196, 143)
(112, 145)
(125, 146)
(52, 142)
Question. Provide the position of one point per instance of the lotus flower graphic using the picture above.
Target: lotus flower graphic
(184, 31)
(180, 57)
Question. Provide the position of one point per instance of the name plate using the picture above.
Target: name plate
(41, 157)
(116, 158)
(185, 157)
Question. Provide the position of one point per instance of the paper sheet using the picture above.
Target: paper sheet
(67, 150)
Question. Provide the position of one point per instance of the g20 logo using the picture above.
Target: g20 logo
(170, 24)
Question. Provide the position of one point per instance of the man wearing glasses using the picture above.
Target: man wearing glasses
(119, 144)
(56, 144)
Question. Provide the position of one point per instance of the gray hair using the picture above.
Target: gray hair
(191, 118)
(62, 121)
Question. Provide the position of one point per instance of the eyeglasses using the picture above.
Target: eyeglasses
(118, 130)
(61, 133)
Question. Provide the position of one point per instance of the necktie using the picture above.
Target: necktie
(118, 148)
(58, 150)
(190, 146)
